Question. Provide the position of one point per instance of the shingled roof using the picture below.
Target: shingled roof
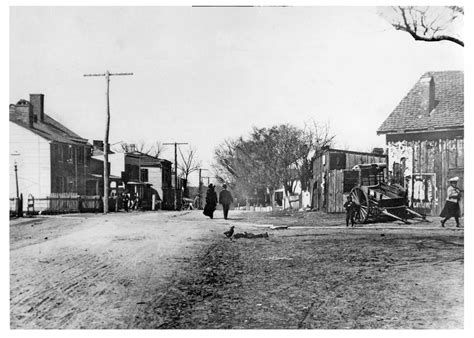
(49, 129)
(448, 112)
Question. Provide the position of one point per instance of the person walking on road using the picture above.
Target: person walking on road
(211, 201)
(125, 200)
(350, 210)
(225, 198)
(451, 207)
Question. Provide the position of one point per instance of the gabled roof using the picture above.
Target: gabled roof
(50, 130)
(448, 112)
(146, 160)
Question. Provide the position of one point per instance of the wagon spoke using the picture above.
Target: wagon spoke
(361, 200)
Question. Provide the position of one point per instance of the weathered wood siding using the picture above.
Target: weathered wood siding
(335, 199)
(444, 158)
(33, 161)
(328, 180)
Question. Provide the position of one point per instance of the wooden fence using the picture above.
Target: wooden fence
(64, 203)
(334, 191)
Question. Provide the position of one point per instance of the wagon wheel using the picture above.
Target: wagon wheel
(360, 198)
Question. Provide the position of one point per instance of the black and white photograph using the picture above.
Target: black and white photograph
(237, 166)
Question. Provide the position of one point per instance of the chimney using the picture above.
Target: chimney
(98, 144)
(37, 101)
(24, 112)
(427, 92)
(378, 151)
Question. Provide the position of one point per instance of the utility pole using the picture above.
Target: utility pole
(107, 76)
(200, 187)
(175, 171)
(16, 181)
(16, 174)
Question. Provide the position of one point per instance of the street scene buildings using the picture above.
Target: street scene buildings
(338, 168)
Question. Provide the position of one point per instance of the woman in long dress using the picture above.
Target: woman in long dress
(211, 201)
(451, 207)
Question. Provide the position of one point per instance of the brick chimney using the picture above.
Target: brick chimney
(98, 144)
(37, 101)
(427, 92)
(24, 112)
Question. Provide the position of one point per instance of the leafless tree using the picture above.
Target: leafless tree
(317, 136)
(189, 164)
(271, 158)
(154, 150)
(431, 24)
(157, 149)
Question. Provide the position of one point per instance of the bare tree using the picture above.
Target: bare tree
(157, 149)
(431, 24)
(189, 164)
(141, 146)
(271, 158)
(317, 137)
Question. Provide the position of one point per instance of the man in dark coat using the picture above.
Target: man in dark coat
(211, 201)
(225, 198)
(125, 200)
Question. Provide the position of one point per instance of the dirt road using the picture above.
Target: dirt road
(177, 270)
(95, 271)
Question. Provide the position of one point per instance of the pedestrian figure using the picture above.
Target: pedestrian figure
(137, 202)
(211, 201)
(225, 198)
(125, 200)
(134, 201)
(350, 207)
(451, 207)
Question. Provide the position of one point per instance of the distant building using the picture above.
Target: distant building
(425, 139)
(329, 185)
(50, 157)
(95, 178)
(144, 175)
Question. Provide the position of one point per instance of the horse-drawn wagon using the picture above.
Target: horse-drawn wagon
(376, 199)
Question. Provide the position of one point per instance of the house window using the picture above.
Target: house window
(80, 155)
(70, 154)
(59, 152)
(135, 172)
(54, 152)
(65, 153)
(60, 184)
(70, 184)
(143, 175)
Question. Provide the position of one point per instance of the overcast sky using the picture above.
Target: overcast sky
(202, 75)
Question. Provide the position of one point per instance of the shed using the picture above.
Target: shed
(332, 179)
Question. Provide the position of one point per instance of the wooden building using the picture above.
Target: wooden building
(425, 139)
(51, 159)
(144, 175)
(330, 182)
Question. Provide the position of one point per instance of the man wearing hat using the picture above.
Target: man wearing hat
(451, 207)
(225, 198)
